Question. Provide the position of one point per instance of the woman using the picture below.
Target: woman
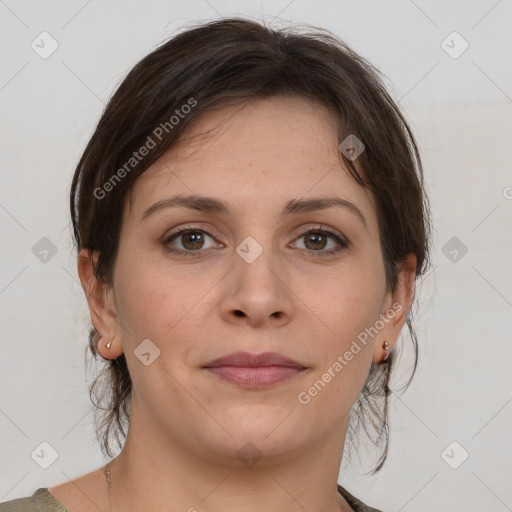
(250, 220)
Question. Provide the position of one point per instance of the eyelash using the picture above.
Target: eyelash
(341, 241)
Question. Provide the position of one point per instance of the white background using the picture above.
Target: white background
(460, 110)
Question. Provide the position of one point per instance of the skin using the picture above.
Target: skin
(187, 425)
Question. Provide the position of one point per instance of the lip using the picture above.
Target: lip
(255, 371)
(254, 360)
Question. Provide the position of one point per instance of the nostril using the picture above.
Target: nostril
(239, 313)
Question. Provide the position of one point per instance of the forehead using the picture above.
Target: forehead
(256, 155)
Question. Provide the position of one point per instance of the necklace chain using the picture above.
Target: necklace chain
(107, 478)
(109, 485)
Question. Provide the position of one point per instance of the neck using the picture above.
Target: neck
(161, 475)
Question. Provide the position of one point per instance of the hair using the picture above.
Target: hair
(233, 61)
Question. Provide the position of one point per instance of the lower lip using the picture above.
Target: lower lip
(255, 377)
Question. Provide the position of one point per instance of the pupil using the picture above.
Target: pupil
(195, 238)
(316, 242)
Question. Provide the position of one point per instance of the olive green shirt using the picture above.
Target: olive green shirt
(43, 501)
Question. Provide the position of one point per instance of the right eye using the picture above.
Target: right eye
(192, 241)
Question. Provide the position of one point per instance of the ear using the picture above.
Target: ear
(102, 307)
(395, 308)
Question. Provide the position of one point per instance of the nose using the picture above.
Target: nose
(257, 293)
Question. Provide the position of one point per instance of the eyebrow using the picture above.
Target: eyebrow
(218, 206)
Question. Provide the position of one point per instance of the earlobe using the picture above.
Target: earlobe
(107, 349)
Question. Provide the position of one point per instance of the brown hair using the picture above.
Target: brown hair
(234, 60)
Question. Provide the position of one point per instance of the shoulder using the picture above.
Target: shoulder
(40, 501)
(356, 504)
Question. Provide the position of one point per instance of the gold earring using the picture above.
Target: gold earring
(110, 342)
(385, 346)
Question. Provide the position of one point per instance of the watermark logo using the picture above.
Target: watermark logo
(454, 455)
(44, 250)
(44, 455)
(454, 45)
(249, 455)
(454, 249)
(249, 249)
(351, 147)
(44, 45)
(146, 352)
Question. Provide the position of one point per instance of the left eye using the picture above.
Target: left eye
(318, 240)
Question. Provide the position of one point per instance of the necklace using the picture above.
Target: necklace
(109, 485)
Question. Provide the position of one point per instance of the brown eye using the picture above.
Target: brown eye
(192, 240)
(315, 241)
(188, 242)
(321, 242)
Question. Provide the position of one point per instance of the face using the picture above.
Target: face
(262, 268)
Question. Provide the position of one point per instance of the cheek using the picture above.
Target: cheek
(145, 302)
(345, 307)
(148, 311)
(156, 300)
(348, 301)
(351, 303)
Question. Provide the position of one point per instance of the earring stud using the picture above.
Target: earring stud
(386, 348)
(110, 342)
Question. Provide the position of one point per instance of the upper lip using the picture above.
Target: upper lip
(254, 360)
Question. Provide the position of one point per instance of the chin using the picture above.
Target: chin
(257, 437)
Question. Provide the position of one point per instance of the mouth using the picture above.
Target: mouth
(255, 371)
